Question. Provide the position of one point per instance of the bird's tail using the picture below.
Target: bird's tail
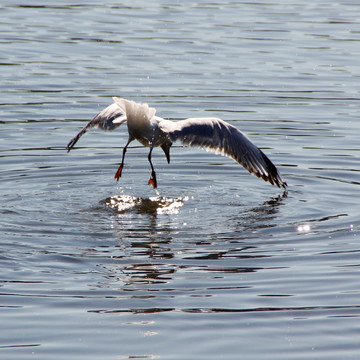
(133, 109)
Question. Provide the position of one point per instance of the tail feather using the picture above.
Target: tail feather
(133, 109)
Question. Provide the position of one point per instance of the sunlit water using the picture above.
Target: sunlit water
(153, 205)
(217, 263)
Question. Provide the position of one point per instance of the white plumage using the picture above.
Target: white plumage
(209, 133)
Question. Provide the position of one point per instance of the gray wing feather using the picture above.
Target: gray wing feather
(217, 135)
(108, 119)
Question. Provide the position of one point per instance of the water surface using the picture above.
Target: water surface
(217, 263)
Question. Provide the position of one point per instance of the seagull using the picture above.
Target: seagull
(210, 133)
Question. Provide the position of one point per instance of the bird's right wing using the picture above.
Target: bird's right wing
(108, 119)
(219, 136)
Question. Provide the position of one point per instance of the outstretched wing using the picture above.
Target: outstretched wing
(217, 135)
(108, 119)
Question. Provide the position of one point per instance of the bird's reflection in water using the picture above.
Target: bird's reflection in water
(259, 217)
(158, 246)
(145, 226)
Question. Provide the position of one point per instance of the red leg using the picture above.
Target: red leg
(152, 180)
(118, 173)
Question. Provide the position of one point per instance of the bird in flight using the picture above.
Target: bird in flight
(209, 133)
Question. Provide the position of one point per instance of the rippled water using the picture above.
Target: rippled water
(217, 263)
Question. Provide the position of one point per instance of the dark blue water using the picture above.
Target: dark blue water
(217, 263)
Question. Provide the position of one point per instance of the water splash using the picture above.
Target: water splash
(152, 205)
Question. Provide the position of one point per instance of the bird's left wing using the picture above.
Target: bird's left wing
(217, 135)
(108, 119)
